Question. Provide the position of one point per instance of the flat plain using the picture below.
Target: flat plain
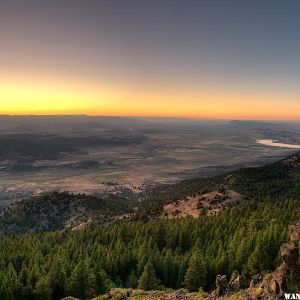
(98, 155)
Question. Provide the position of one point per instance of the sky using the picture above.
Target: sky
(198, 59)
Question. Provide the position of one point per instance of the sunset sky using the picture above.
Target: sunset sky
(198, 59)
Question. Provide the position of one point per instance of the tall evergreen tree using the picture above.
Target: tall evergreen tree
(102, 282)
(148, 280)
(57, 279)
(196, 273)
(13, 280)
(5, 291)
(132, 280)
(43, 289)
(82, 281)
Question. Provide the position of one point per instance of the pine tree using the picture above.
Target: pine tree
(258, 260)
(181, 273)
(57, 280)
(13, 280)
(82, 281)
(43, 289)
(148, 280)
(169, 272)
(5, 291)
(102, 282)
(196, 273)
(132, 280)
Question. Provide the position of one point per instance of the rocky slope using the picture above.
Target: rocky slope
(206, 204)
(276, 181)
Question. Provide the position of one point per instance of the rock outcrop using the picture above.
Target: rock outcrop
(225, 288)
(221, 285)
(267, 286)
(286, 278)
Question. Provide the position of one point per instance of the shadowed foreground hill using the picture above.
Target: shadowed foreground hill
(267, 286)
(158, 254)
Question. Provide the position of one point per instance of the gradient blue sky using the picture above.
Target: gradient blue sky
(212, 59)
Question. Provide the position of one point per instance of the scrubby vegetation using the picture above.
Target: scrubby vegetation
(136, 294)
(276, 181)
(157, 254)
(56, 211)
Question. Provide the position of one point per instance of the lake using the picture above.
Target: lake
(275, 143)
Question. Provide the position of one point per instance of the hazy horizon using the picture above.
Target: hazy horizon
(153, 117)
(195, 59)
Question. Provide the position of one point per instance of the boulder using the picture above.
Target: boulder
(235, 284)
(221, 285)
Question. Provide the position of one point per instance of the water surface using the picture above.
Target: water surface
(275, 143)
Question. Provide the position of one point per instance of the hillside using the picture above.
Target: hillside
(57, 211)
(159, 254)
(144, 250)
(276, 181)
(203, 196)
(265, 285)
(203, 204)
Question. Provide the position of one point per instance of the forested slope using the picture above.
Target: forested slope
(146, 252)
(152, 255)
(60, 210)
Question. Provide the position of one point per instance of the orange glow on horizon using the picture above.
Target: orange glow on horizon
(20, 97)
